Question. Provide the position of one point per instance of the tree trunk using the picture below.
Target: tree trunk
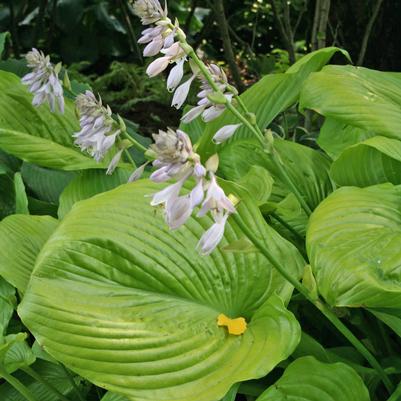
(324, 19)
(227, 45)
(368, 32)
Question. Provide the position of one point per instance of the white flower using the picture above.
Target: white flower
(114, 162)
(167, 194)
(176, 75)
(225, 133)
(205, 107)
(216, 200)
(150, 11)
(137, 174)
(181, 93)
(212, 237)
(43, 81)
(178, 211)
(98, 133)
(158, 66)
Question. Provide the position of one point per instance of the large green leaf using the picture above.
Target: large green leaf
(35, 134)
(52, 373)
(307, 379)
(308, 168)
(133, 307)
(269, 97)
(353, 243)
(8, 302)
(21, 238)
(45, 184)
(89, 183)
(374, 161)
(336, 136)
(364, 98)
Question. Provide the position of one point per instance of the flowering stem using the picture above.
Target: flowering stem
(319, 304)
(129, 157)
(134, 142)
(251, 125)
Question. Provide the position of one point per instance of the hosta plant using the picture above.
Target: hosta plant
(216, 263)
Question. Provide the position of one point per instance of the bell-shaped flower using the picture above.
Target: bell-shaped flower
(176, 75)
(178, 210)
(225, 133)
(150, 11)
(212, 237)
(43, 81)
(181, 93)
(158, 66)
(98, 130)
(216, 200)
(114, 162)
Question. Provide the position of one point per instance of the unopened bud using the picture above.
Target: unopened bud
(121, 122)
(213, 163)
(124, 144)
(217, 98)
(57, 68)
(251, 118)
(66, 81)
(151, 154)
(232, 89)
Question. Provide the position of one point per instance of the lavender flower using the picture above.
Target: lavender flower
(225, 133)
(43, 81)
(98, 130)
(205, 107)
(150, 11)
(176, 159)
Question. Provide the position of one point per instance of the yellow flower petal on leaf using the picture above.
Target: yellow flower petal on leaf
(234, 326)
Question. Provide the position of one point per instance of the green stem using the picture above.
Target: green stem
(396, 396)
(129, 157)
(40, 379)
(21, 388)
(72, 381)
(287, 179)
(326, 311)
(253, 126)
(134, 142)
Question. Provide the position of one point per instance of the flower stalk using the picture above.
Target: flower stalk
(318, 303)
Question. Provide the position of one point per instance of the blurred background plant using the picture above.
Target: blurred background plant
(96, 39)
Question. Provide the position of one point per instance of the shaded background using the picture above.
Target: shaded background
(96, 39)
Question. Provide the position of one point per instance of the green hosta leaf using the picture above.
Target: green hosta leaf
(14, 353)
(7, 195)
(25, 236)
(374, 161)
(307, 167)
(353, 242)
(307, 379)
(269, 97)
(46, 185)
(88, 184)
(35, 134)
(52, 373)
(8, 302)
(259, 184)
(21, 200)
(335, 137)
(109, 396)
(391, 317)
(18, 354)
(132, 306)
(364, 98)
